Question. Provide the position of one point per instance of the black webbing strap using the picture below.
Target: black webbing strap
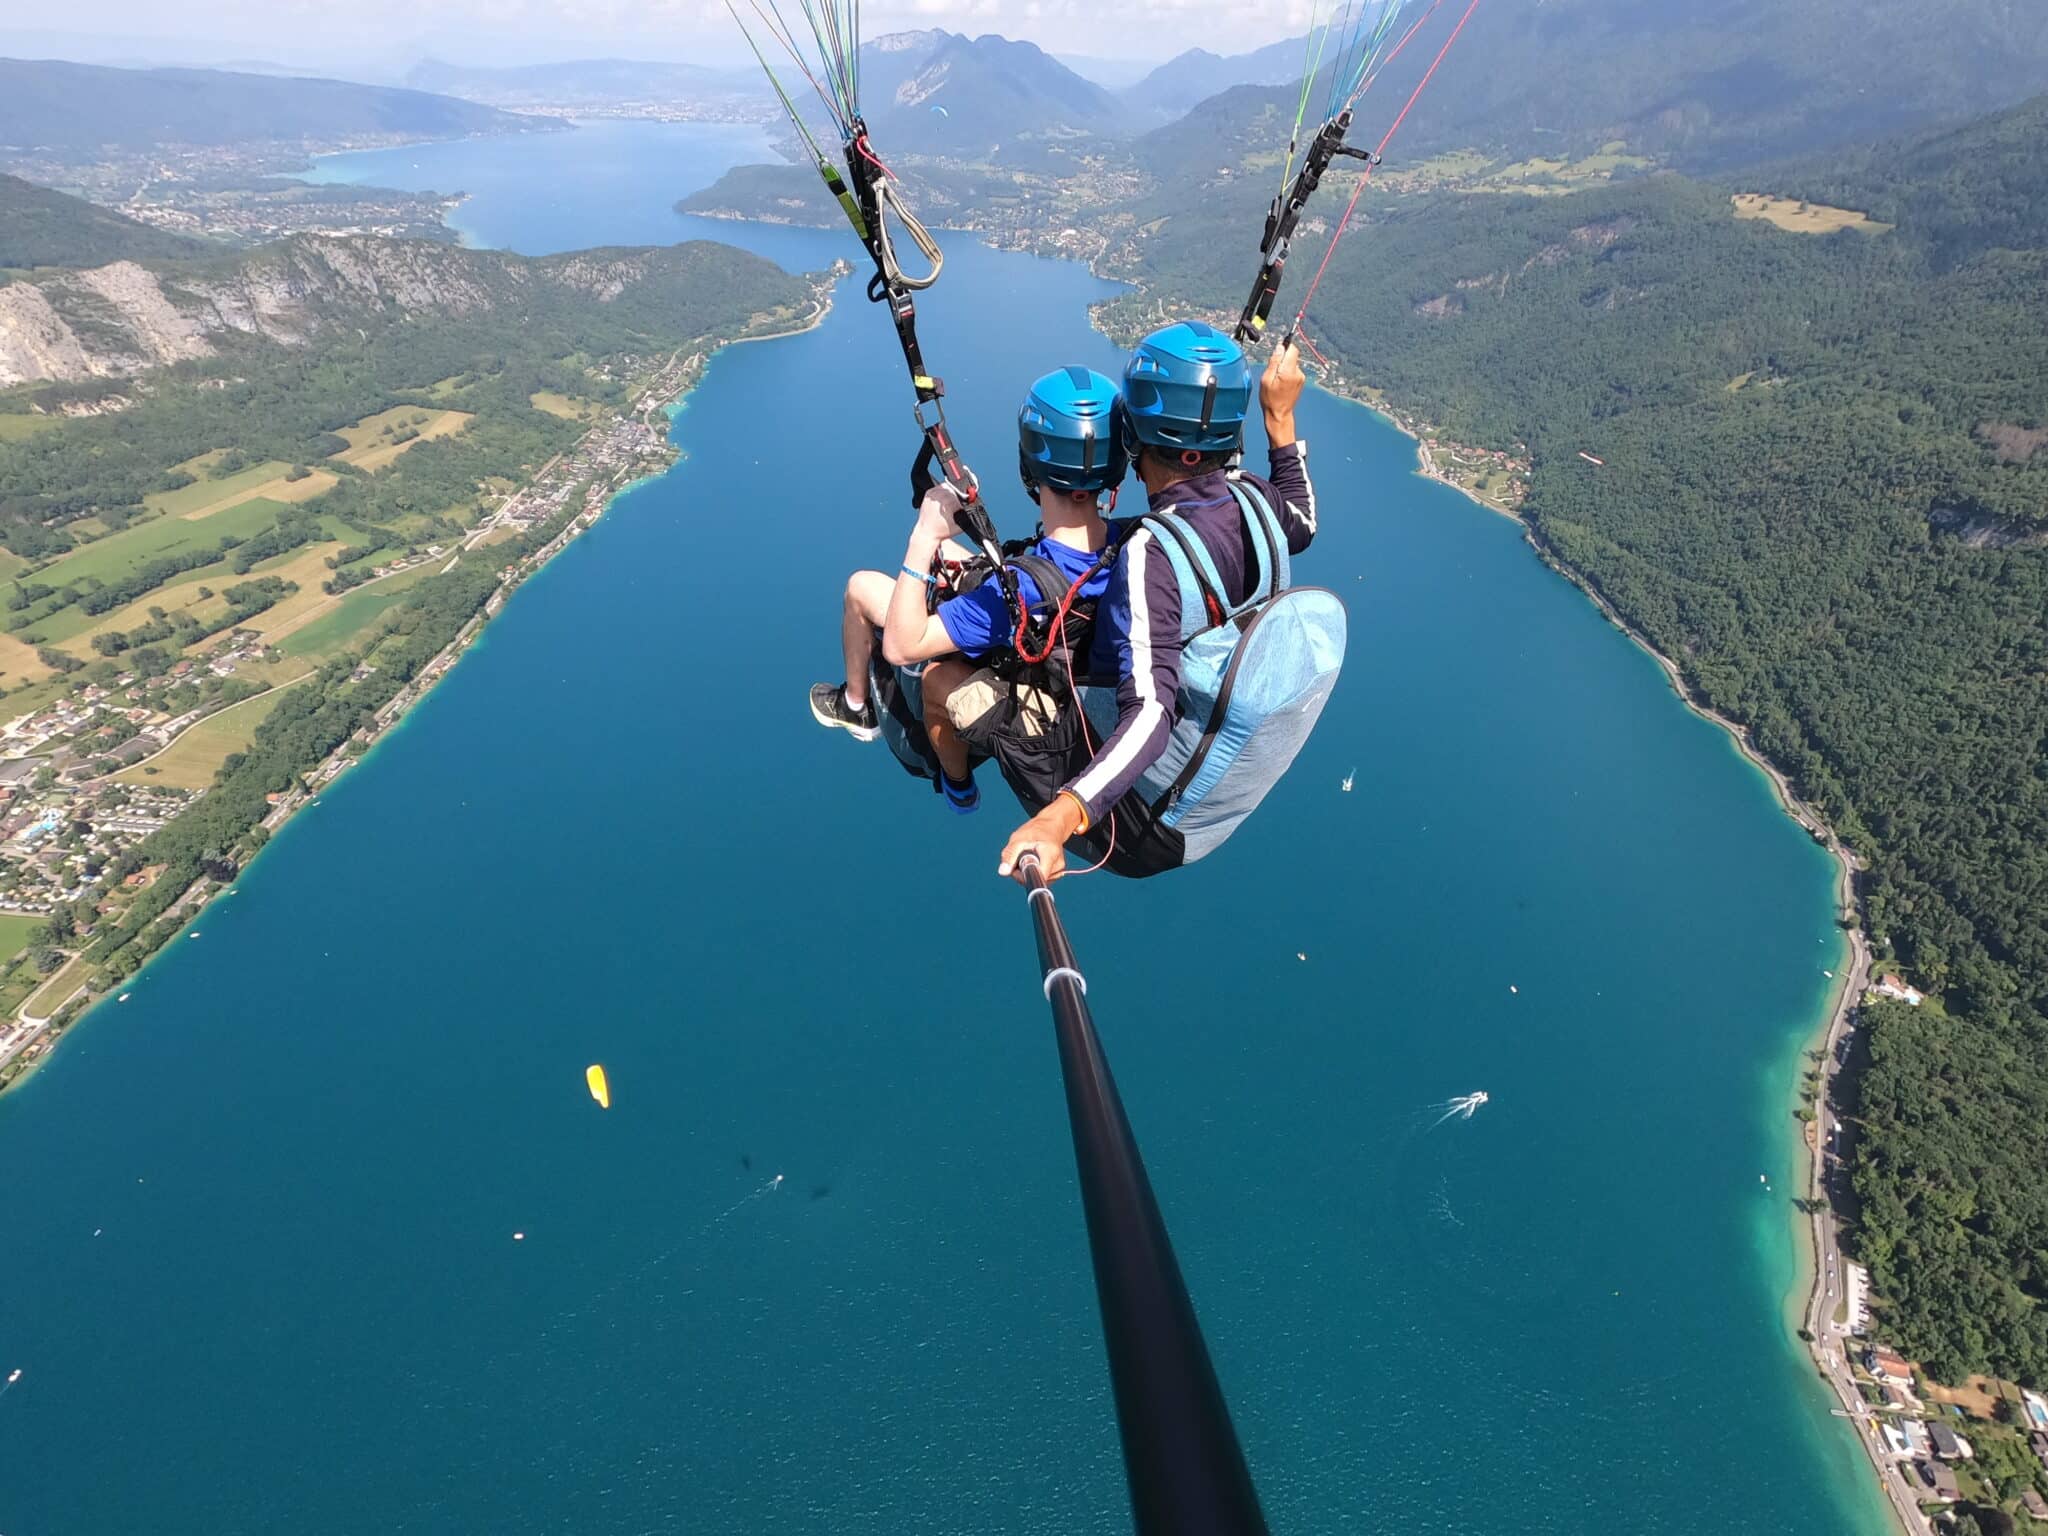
(887, 287)
(1285, 214)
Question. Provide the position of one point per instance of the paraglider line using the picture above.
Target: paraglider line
(1344, 224)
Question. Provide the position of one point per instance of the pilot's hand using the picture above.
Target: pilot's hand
(938, 514)
(1044, 836)
(1281, 384)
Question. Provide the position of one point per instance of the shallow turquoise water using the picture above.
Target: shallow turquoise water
(258, 1244)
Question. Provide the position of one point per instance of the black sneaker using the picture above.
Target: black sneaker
(828, 704)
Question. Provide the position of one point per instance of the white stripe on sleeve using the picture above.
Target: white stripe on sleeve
(1131, 735)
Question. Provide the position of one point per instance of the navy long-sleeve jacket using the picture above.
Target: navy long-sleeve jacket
(1137, 626)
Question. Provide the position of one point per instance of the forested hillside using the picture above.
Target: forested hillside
(42, 228)
(1825, 495)
(79, 109)
(391, 316)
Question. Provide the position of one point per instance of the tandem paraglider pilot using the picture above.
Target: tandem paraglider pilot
(1220, 667)
(955, 691)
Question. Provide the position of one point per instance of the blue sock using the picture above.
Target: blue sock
(962, 796)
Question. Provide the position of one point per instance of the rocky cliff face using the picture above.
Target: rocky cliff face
(124, 318)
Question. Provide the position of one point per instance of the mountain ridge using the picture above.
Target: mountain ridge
(125, 318)
(585, 81)
(80, 110)
(972, 93)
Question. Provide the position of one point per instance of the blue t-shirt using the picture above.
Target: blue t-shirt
(977, 622)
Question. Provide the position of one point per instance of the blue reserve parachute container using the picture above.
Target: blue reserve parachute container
(1252, 685)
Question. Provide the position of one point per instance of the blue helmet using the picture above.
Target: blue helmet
(1187, 388)
(1070, 433)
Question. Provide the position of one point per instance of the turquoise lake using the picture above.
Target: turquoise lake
(258, 1241)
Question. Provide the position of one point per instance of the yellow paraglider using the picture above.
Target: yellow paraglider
(600, 1090)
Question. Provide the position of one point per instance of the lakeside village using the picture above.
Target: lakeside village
(1921, 1428)
(76, 808)
(243, 194)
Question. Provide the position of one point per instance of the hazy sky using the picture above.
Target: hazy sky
(382, 38)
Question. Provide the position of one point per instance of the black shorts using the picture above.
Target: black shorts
(1039, 744)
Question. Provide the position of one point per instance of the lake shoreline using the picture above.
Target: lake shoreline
(1821, 1232)
(1804, 1298)
(1817, 1234)
(48, 1030)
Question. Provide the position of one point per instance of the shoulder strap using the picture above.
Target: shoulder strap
(1046, 577)
(1269, 545)
(1203, 602)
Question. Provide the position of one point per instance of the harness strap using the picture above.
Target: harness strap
(1271, 568)
(871, 201)
(1194, 569)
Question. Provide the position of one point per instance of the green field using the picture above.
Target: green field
(333, 632)
(50, 996)
(119, 554)
(1795, 217)
(191, 761)
(13, 427)
(204, 492)
(14, 927)
(568, 407)
(369, 441)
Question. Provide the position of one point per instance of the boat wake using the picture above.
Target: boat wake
(1463, 1107)
(739, 1205)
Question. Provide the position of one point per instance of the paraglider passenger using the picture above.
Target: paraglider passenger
(1186, 393)
(1071, 453)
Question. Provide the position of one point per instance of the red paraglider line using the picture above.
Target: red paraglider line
(1414, 96)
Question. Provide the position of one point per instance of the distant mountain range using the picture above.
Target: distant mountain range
(1110, 74)
(1750, 82)
(589, 82)
(1708, 86)
(966, 95)
(76, 110)
(1185, 82)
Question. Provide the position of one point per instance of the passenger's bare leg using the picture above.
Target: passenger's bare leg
(940, 679)
(867, 604)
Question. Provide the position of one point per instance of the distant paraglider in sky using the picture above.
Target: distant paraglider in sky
(942, 112)
(600, 1089)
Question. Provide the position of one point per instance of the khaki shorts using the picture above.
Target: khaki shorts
(977, 704)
